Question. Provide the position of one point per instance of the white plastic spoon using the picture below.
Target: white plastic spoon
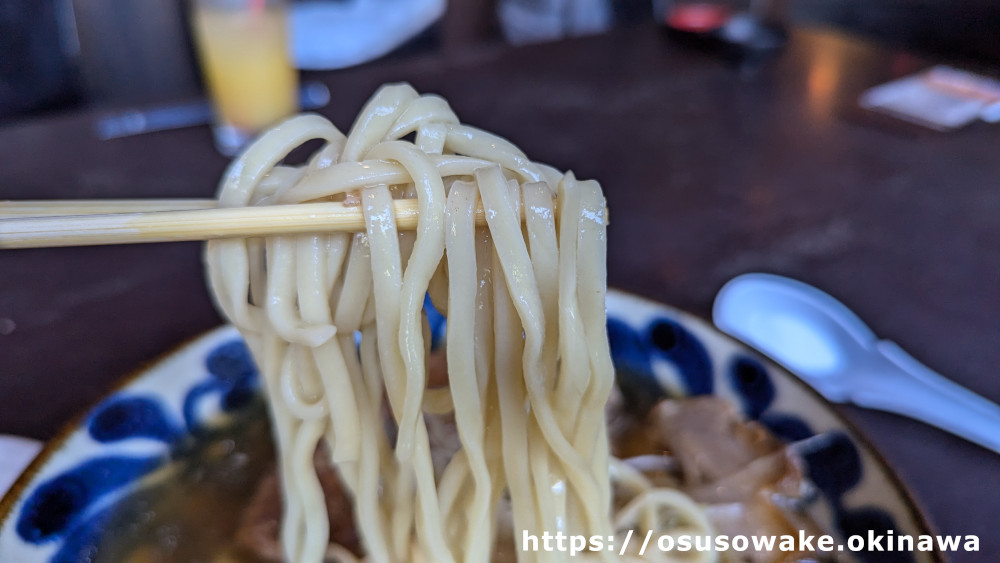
(819, 339)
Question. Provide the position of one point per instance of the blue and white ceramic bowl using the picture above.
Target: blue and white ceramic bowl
(198, 413)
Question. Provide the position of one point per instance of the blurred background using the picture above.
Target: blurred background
(62, 54)
(712, 169)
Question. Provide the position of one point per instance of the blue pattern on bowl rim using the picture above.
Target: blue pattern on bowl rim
(145, 430)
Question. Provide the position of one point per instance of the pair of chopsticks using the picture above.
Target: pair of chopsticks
(33, 224)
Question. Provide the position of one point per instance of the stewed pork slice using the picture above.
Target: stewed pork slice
(749, 481)
(260, 525)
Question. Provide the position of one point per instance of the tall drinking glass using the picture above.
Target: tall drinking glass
(243, 48)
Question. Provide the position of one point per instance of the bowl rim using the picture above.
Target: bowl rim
(51, 446)
(920, 517)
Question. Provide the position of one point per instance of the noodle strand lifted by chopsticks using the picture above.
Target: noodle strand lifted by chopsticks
(336, 325)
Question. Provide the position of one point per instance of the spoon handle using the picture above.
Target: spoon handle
(916, 391)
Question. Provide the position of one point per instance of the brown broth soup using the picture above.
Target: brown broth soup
(219, 500)
(192, 509)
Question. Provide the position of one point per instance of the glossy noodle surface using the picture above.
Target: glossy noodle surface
(336, 325)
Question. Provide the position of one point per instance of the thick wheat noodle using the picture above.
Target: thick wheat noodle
(336, 325)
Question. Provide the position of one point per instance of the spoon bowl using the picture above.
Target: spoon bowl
(825, 344)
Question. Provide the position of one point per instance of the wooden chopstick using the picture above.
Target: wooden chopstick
(197, 224)
(56, 223)
(49, 208)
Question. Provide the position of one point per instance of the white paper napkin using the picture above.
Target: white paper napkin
(15, 454)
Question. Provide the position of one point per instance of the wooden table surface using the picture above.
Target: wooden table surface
(710, 171)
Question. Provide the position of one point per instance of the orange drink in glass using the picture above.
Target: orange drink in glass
(243, 49)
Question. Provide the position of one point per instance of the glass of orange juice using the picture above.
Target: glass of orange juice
(243, 48)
